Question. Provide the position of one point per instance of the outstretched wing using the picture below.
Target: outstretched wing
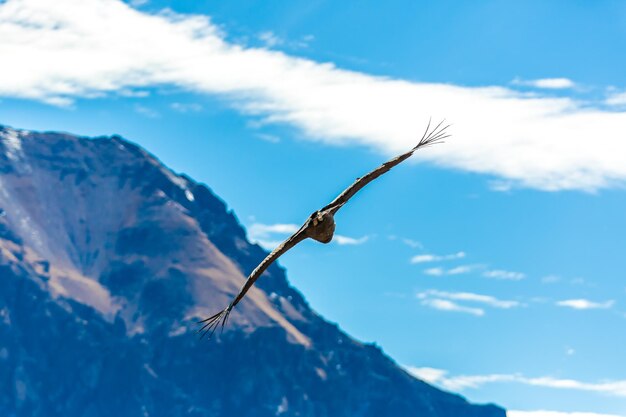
(430, 137)
(212, 323)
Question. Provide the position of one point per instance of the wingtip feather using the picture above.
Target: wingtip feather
(210, 324)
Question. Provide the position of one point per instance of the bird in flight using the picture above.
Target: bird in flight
(320, 225)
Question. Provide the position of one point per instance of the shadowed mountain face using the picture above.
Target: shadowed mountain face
(108, 259)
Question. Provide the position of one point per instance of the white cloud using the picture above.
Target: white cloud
(345, 240)
(463, 269)
(458, 270)
(265, 235)
(262, 230)
(418, 259)
(441, 378)
(428, 257)
(547, 83)
(456, 383)
(616, 99)
(544, 413)
(502, 274)
(436, 271)
(430, 375)
(542, 142)
(582, 304)
(447, 305)
(469, 297)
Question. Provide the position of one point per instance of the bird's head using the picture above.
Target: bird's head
(317, 217)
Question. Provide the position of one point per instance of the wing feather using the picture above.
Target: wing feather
(210, 324)
(292, 241)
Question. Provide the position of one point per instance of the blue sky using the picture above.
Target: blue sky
(492, 265)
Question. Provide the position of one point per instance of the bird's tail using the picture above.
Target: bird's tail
(210, 324)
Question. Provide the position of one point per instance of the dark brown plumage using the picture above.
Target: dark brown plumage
(320, 225)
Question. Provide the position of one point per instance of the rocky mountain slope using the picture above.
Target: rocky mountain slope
(108, 259)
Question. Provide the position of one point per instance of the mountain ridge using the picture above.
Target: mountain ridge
(116, 253)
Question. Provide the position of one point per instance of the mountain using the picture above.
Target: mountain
(108, 259)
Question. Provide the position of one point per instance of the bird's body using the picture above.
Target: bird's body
(320, 225)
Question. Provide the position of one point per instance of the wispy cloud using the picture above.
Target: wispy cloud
(146, 111)
(583, 304)
(268, 138)
(468, 296)
(532, 141)
(412, 243)
(447, 305)
(441, 378)
(502, 274)
(547, 83)
(266, 235)
(450, 301)
(429, 257)
(462, 269)
(457, 270)
(501, 185)
(270, 39)
(439, 271)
